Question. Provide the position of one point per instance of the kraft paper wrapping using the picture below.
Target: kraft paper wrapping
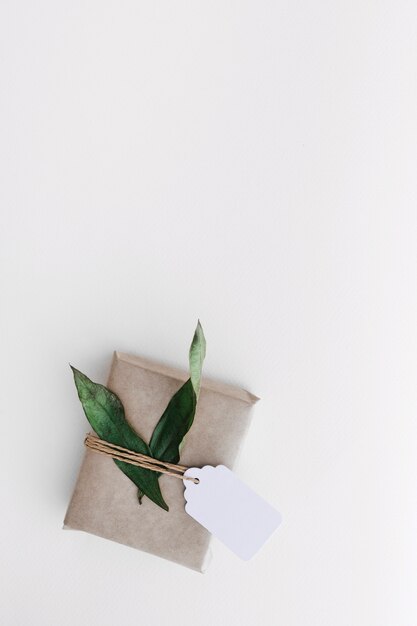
(104, 501)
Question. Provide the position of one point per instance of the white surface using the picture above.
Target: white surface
(252, 164)
(229, 509)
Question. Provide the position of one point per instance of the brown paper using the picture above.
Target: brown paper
(105, 501)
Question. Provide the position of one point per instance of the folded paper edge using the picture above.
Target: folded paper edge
(208, 557)
(180, 374)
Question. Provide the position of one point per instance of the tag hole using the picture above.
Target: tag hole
(196, 481)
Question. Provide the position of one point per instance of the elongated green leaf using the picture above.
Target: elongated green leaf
(196, 357)
(106, 415)
(178, 416)
(168, 436)
(175, 422)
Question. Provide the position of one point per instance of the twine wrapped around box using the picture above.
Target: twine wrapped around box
(135, 458)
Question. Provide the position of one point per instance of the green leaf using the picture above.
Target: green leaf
(196, 357)
(175, 422)
(106, 415)
(178, 416)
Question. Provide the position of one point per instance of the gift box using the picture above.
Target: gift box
(105, 502)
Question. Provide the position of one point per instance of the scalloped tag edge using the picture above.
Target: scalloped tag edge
(229, 509)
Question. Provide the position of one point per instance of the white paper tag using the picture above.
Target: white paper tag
(229, 509)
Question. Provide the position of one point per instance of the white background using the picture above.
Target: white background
(252, 164)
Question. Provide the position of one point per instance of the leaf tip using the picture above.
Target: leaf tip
(78, 376)
(199, 334)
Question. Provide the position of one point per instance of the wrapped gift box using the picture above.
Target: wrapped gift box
(104, 501)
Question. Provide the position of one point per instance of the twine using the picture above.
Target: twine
(135, 458)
